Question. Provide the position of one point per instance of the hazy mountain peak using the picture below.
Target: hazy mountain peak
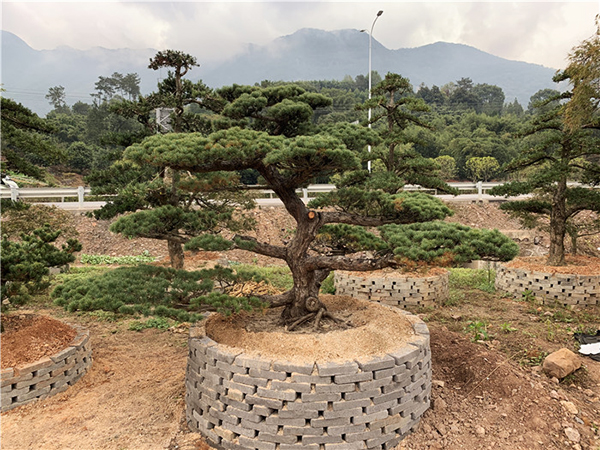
(307, 54)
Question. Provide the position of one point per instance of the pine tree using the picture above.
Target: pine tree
(275, 137)
(27, 141)
(25, 263)
(563, 143)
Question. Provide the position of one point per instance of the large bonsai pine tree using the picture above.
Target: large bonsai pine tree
(337, 231)
(562, 144)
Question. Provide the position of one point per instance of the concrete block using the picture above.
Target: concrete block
(269, 403)
(376, 363)
(290, 367)
(346, 429)
(326, 439)
(288, 395)
(256, 444)
(296, 387)
(323, 397)
(244, 360)
(268, 374)
(334, 388)
(353, 378)
(369, 418)
(329, 369)
(342, 413)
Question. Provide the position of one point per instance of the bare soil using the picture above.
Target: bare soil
(487, 394)
(367, 329)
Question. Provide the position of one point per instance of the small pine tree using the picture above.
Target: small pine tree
(25, 263)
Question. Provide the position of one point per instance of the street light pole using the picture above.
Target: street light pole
(370, 38)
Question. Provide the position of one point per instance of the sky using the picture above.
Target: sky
(536, 32)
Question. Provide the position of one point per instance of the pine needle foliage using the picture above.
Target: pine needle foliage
(153, 290)
(26, 263)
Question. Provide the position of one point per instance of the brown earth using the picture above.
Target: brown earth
(487, 394)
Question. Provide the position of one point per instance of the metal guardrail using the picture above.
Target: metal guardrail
(80, 192)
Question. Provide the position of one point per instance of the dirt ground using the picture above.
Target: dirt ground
(486, 394)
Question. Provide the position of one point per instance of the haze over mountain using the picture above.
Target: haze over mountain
(308, 54)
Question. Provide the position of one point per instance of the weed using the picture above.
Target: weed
(455, 298)
(156, 322)
(533, 357)
(528, 296)
(507, 328)
(478, 329)
(551, 329)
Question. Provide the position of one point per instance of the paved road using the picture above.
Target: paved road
(463, 198)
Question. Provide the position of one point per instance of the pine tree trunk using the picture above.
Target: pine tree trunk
(558, 226)
(176, 254)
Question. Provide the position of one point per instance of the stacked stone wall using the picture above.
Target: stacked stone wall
(48, 376)
(248, 402)
(401, 291)
(550, 288)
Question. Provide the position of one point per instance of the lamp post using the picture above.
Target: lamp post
(370, 36)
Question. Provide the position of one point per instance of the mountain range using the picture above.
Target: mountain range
(308, 54)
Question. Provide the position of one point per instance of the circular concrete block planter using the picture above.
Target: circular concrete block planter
(550, 288)
(47, 376)
(393, 288)
(238, 401)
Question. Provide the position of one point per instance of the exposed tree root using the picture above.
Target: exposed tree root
(318, 317)
(300, 321)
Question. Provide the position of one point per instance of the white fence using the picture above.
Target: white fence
(44, 194)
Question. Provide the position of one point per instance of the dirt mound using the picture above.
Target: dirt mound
(27, 338)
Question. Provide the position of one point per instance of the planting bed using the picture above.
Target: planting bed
(47, 376)
(393, 288)
(577, 284)
(308, 398)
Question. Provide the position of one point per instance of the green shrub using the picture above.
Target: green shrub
(328, 285)
(26, 264)
(149, 290)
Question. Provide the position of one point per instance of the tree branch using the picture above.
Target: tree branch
(262, 248)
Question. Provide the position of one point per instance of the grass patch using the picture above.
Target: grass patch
(482, 279)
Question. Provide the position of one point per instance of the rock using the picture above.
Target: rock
(570, 407)
(480, 431)
(572, 434)
(561, 363)
(439, 404)
(441, 429)
(554, 395)
(438, 384)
